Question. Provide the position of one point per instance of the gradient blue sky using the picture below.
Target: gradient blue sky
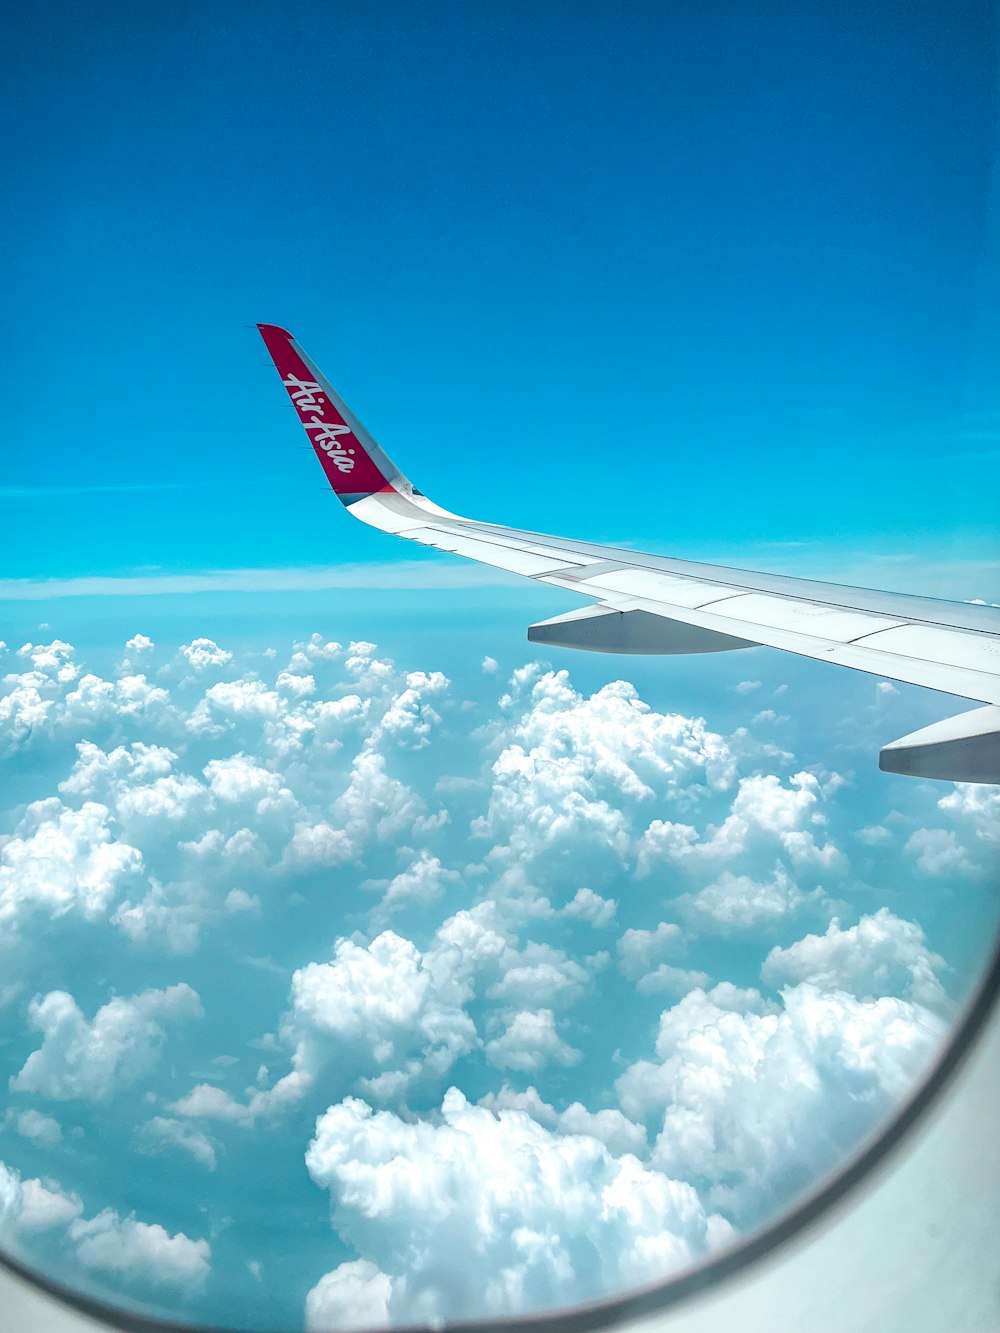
(703, 279)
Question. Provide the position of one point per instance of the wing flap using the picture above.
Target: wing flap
(674, 591)
(953, 668)
(933, 644)
(836, 623)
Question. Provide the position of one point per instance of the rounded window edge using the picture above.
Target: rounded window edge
(673, 1292)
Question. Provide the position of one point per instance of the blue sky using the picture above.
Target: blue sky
(308, 867)
(749, 257)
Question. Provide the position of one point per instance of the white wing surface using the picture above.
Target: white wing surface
(654, 604)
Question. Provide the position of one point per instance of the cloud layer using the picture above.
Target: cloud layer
(550, 990)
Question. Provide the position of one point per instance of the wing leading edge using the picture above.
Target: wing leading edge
(655, 604)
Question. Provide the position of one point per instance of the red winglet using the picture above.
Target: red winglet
(353, 463)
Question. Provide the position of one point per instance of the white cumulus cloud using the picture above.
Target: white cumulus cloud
(382, 1009)
(754, 1102)
(354, 1295)
(61, 861)
(530, 1042)
(937, 851)
(44, 1207)
(144, 1251)
(586, 905)
(490, 1213)
(203, 653)
(882, 955)
(734, 903)
(91, 1061)
(31, 1124)
(162, 1133)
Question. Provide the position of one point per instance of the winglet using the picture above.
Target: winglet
(353, 463)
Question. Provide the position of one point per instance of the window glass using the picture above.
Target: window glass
(360, 962)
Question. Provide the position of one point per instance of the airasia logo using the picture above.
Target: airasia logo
(307, 396)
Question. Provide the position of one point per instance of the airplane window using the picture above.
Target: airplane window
(368, 959)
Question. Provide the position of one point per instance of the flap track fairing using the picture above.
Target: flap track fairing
(965, 748)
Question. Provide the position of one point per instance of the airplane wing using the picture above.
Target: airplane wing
(654, 604)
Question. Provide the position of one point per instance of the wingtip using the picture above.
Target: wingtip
(353, 463)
